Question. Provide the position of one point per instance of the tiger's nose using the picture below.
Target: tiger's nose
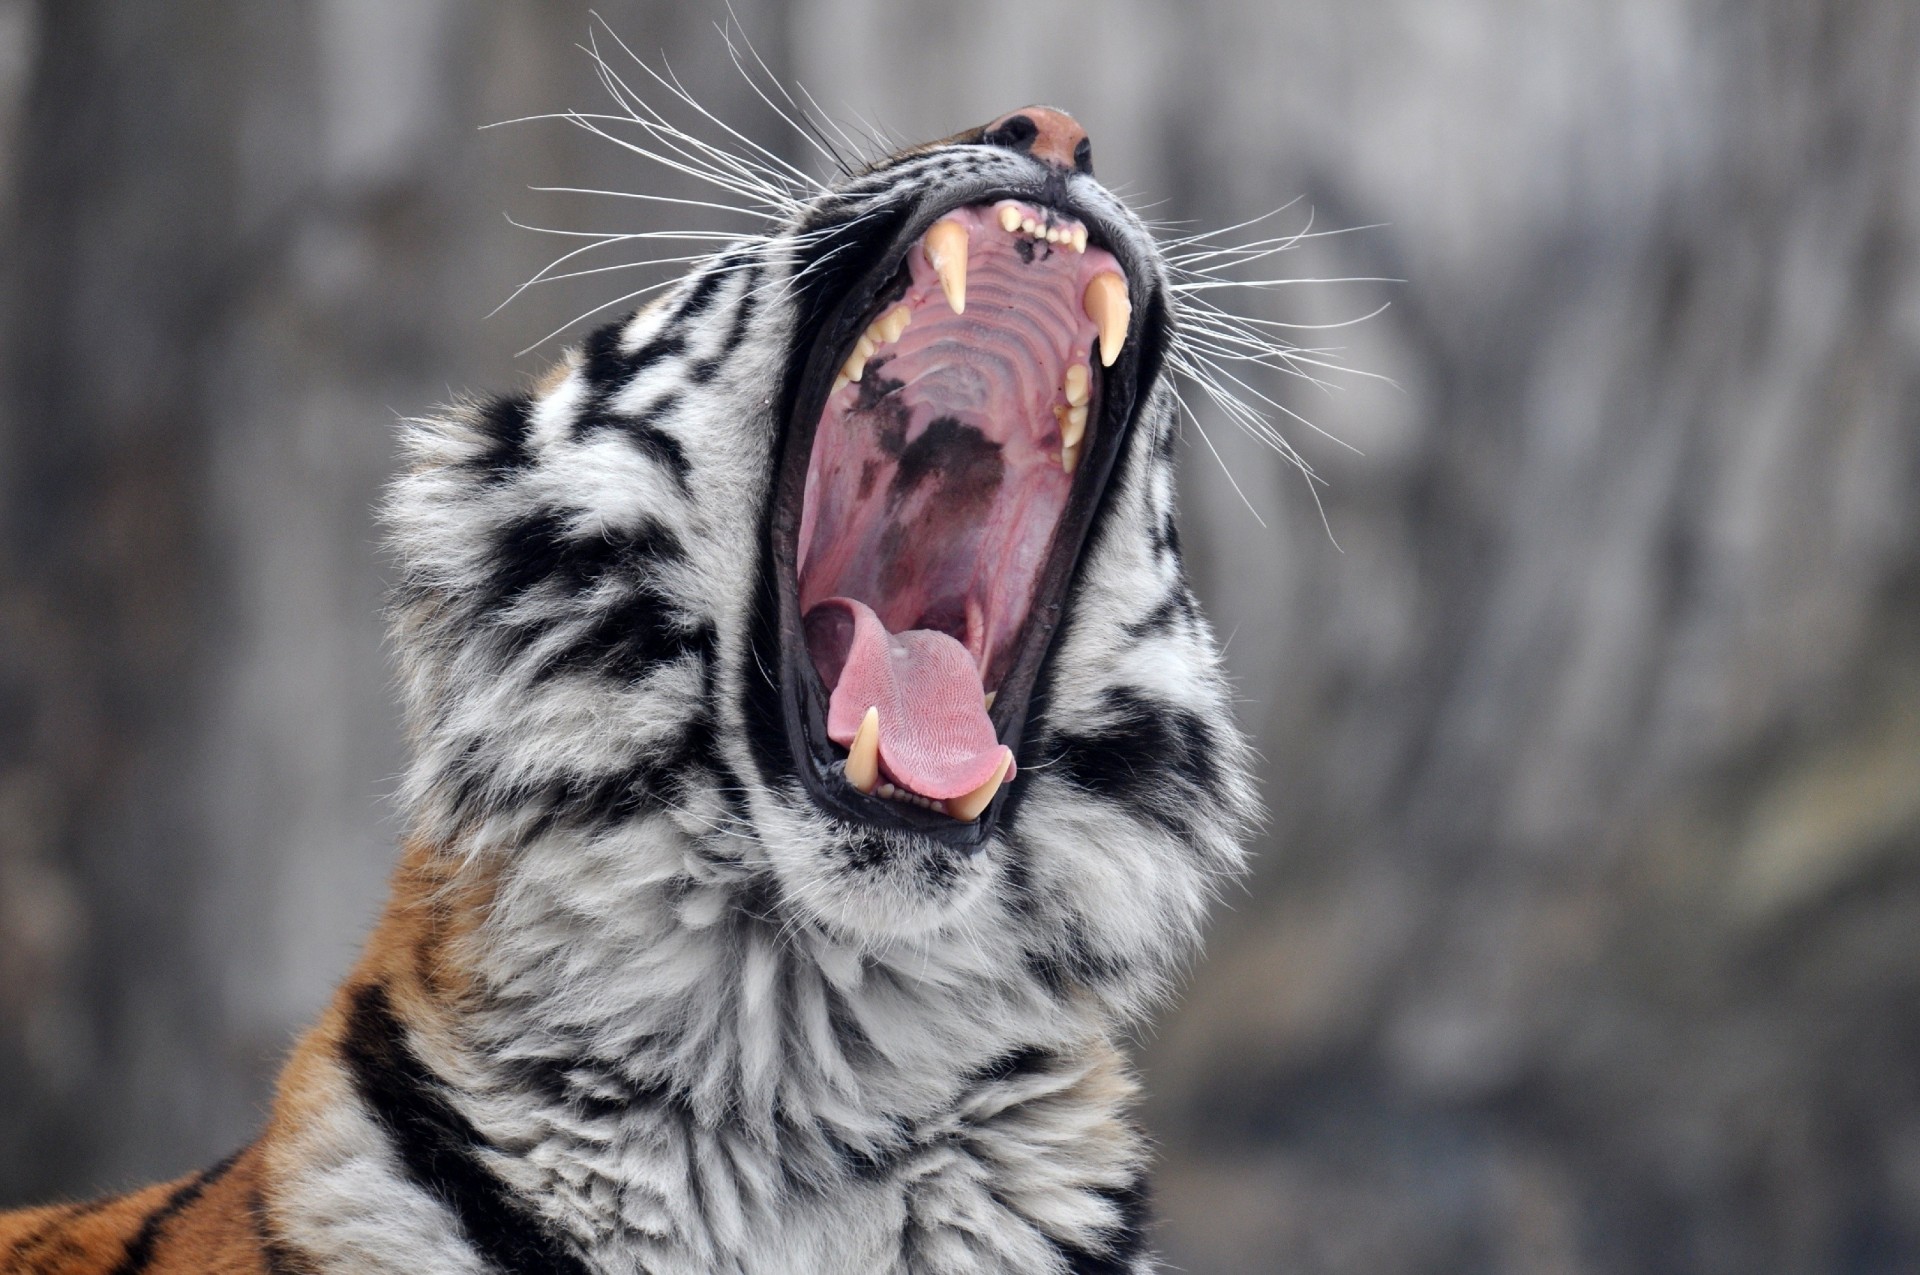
(1050, 136)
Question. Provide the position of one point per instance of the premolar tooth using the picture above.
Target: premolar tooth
(1107, 305)
(863, 755)
(1075, 386)
(947, 254)
(894, 322)
(966, 809)
(1073, 427)
(1009, 218)
(1070, 458)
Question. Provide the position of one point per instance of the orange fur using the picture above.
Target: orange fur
(221, 1221)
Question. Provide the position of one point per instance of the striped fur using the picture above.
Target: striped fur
(637, 1003)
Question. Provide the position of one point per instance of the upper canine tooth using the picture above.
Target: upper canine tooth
(863, 755)
(1107, 305)
(966, 809)
(947, 254)
(1009, 218)
(1075, 386)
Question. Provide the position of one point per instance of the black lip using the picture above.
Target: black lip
(835, 307)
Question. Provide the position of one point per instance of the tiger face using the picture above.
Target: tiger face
(853, 561)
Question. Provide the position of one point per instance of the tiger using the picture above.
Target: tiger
(819, 762)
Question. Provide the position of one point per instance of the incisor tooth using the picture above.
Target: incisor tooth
(1107, 305)
(1079, 238)
(1009, 218)
(947, 254)
(1070, 458)
(1075, 385)
(1073, 427)
(1029, 225)
(966, 809)
(863, 755)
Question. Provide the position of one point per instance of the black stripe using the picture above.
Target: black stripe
(439, 1148)
(607, 369)
(139, 1254)
(63, 1216)
(533, 550)
(505, 423)
(1124, 1242)
(1144, 744)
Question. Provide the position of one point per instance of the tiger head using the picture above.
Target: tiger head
(840, 590)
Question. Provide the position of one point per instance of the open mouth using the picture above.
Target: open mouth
(950, 474)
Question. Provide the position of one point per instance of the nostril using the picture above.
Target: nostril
(1050, 136)
(1015, 133)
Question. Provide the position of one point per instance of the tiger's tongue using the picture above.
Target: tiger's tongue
(935, 736)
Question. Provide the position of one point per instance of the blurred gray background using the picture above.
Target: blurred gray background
(1586, 934)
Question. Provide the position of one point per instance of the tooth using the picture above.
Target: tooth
(894, 322)
(966, 809)
(1075, 386)
(1070, 458)
(1029, 225)
(863, 755)
(1073, 427)
(992, 696)
(1055, 234)
(1107, 305)
(855, 367)
(1079, 238)
(888, 791)
(947, 254)
(840, 381)
(1009, 218)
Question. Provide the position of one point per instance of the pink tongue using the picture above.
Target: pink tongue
(935, 737)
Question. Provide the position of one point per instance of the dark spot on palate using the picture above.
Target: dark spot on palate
(967, 462)
(1024, 246)
(869, 472)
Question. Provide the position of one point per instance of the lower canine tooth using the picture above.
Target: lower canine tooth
(1106, 304)
(947, 254)
(863, 755)
(966, 809)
